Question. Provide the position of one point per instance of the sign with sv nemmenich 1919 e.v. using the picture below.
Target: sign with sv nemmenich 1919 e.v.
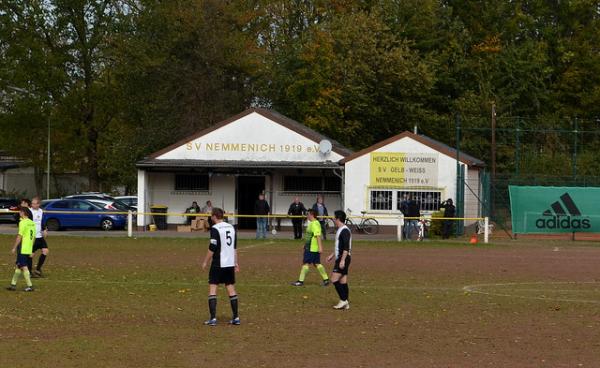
(538, 209)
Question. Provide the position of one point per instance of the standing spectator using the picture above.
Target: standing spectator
(261, 208)
(208, 209)
(404, 205)
(414, 212)
(193, 209)
(297, 209)
(321, 212)
(449, 212)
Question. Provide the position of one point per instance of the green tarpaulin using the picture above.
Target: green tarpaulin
(554, 209)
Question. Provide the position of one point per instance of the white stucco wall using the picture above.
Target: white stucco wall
(357, 180)
(161, 191)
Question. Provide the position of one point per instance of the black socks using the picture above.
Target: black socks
(342, 290)
(41, 261)
(234, 305)
(212, 306)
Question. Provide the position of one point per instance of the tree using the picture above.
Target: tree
(347, 75)
(59, 50)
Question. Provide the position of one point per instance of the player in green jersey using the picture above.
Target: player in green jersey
(23, 248)
(313, 247)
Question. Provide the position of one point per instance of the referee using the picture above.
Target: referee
(342, 255)
(222, 250)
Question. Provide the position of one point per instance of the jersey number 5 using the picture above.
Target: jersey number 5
(229, 238)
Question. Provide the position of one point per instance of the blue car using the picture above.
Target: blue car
(58, 214)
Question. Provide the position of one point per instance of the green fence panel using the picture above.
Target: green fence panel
(539, 210)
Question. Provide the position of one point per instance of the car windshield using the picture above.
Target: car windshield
(121, 206)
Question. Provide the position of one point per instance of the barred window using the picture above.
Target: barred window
(427, 200)
(332, 184)
(381, 199)
(311, 184)
(191, 182)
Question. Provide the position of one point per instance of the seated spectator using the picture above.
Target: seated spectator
(193, 209)
(208, 209)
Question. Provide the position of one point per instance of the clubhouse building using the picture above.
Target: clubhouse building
(262, 151)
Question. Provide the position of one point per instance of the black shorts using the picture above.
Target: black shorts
(344, 271)
(311, 257)
(221, 275)
(40, 243)
(22, 260)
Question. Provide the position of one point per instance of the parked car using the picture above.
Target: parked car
(131, 201)
(57, 215)
(7, 205)
(94, 196)
(111, 205)
(89, 195)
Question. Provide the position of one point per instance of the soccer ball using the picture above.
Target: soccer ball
(274, 232)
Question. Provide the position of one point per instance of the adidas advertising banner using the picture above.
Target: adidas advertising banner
(555, 209)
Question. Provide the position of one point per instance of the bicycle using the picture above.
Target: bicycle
(419, 230)
(480, 227)
(367, 225)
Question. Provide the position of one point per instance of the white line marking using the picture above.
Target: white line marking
(475, 290)
(202, 282)
(254, 245)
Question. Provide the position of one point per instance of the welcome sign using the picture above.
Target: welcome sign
(538, 209)
(402, 169)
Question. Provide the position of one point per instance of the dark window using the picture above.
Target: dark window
(61, 204)
(381, 200)
(428, 201)
(311, 184)
(82, 206)
(333, 184)
(191, 182)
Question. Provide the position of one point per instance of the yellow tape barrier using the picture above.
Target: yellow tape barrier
(252, 216)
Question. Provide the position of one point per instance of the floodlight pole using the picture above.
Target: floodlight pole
(48, 168)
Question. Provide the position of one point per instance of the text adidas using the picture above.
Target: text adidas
(558, 222)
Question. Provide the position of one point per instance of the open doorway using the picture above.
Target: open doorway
(248, 188)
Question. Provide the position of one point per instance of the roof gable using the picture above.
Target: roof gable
(430, 142)
(253, 135)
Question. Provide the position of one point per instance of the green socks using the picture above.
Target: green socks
(303, 273)
(322, 272)
(16, 277)
(320, 268)
(27, 276)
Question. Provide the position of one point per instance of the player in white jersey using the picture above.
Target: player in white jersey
(342, 256)
(40, 237)
(222, 250)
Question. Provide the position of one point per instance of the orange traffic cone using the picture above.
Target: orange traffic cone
(474, 239)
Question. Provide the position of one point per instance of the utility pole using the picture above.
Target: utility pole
(493, 180)
(48, 168)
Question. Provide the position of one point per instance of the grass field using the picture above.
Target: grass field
(140, 303)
